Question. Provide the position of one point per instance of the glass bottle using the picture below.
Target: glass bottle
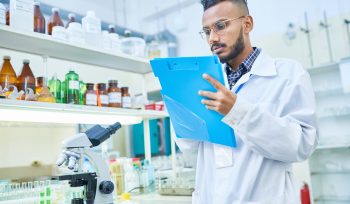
(26, 79)
(82, 91)
(111, 29)
(102, 95)
(90, 95)
(55, 88)
(63, 92)
(114, 94)
(7, 74)
(55, 20)
(126, 99)
(40, 83)
(45, 96)
(72, 87)
(71, 19)
(8, 16)
(39, 20)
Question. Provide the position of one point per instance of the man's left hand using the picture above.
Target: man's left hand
(220, 101)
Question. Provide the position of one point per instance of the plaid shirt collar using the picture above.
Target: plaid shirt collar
(233, 76)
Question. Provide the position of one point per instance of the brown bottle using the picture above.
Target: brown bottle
(102, 95)
(90, 95)
(39, 20)
(114, 94)
(55, 20)
(126, 99)
(7, 16)
(26, 79)
(71, 19)
(40, 83)
(7, 74)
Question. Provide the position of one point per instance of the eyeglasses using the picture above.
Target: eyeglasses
(219, 27)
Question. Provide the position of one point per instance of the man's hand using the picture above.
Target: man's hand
(220, 101)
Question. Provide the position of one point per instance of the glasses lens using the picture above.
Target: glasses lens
(219, 27)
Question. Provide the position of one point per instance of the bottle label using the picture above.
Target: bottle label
(91, 99)
(104, 99)
(126, 102)
(115, 97)
(92, 28)
(2, 16)
(73, 85)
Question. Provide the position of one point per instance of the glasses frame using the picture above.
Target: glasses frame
(211, 28)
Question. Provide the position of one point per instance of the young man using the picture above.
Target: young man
(270, 106)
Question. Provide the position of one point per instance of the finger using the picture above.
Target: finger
(209, 102)
(216, 84)
(208, 94)
(213, 108)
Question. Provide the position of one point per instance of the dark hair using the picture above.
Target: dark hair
(209, 3)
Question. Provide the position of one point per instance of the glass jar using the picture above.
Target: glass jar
(39, 20)
(126, 99)
(90, 95)
(114, 94)
(102, 96)
(8, 75)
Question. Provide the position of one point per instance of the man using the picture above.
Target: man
(270, 106)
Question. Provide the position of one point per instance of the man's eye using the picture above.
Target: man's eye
(206, 31)
(220, 26)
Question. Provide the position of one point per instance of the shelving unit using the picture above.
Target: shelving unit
(47, 47)
(329, 165)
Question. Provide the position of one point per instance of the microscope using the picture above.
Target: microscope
(98, 187)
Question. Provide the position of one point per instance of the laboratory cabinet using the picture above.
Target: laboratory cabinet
(330, 165)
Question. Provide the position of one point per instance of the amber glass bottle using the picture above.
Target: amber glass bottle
(114, 94)
(26, 78)
(40, 83)
(55, 20)
(90, 95)
(102, 97)
(39, 20)
(7, 74)
(8, 16)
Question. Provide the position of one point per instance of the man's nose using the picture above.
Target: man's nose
(213, 37)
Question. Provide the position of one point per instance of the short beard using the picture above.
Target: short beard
(236, 49)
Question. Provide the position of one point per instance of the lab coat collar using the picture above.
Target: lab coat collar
(264, 65)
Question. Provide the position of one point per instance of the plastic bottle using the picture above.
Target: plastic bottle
(71, 19)
(72, 87)
(55, 20)
(55, 88)
(92, 28)
(7, 74)
(2, 14)
(39, 20)
(26, 78)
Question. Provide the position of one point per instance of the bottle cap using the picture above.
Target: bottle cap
(26, 61)
(71, 15)
(36, 3)
(111, 26)
(6, 57)
(53, 10)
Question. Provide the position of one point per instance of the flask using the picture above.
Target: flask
(71, 19)
(126, 99)
(90, 95)
(26, 78)
(114, 94)
(39, 20)
(7, 74)
(72, 87)
(55, 20)
(55, 88)
(102, 95)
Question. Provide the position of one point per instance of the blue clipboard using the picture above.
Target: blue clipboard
(181, 79)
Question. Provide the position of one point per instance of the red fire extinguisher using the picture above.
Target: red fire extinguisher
(305, 194)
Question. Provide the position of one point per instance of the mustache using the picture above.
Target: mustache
(217, 45)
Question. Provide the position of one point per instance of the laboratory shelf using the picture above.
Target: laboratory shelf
(323, 68)
(340, 146)
(29, 111)
(45, 45)
(332, 199)
(330, 92)
(330, 172)
(335, 117)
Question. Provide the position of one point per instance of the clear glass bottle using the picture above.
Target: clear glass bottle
(126, 99)
(7, 74)
(26, 79)
(71, 19)
(90, 95)
(55, 20)
(39, 19)
(102, 96)
(55, 88)
(72, 87)
(114, 94)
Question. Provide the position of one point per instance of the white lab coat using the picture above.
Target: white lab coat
(275, 125)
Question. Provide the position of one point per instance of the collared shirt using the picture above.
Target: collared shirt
(233, 76)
